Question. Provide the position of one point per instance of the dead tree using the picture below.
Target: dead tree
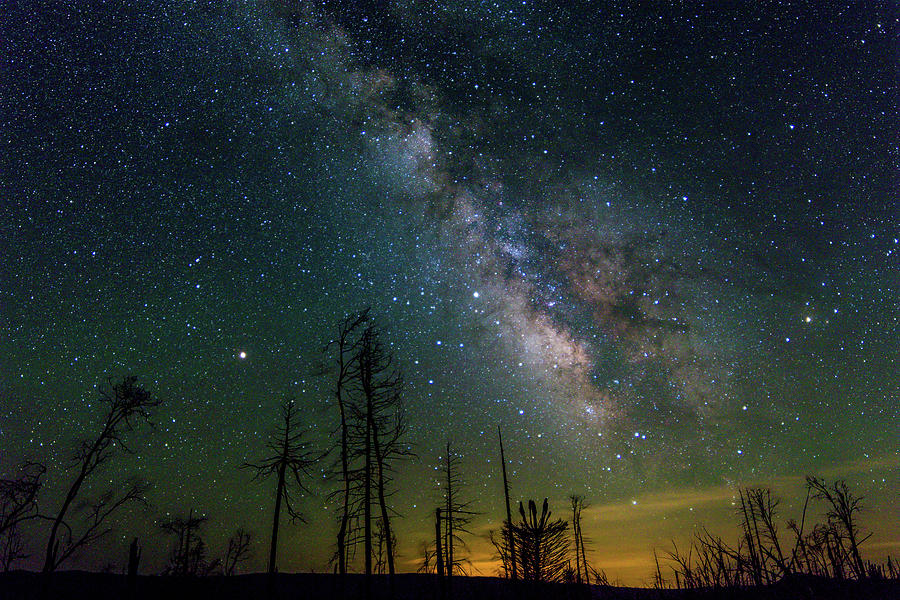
(377, 426)
(127, 405)
(134, 560)
(238, 551)
(11, 547)
(18, 495)
(761, 506)
(389, 429)
(438, 547)
(510, 550)
(345, 348)
(842, 511)
(18, 502)
(97, 513)
(427, 552)
(500, 542)
(368, 391)
(375, 441)
(188, 556)
(290, 462)
(582, 570)
(457, 513)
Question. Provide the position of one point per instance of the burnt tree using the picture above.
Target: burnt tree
(457, 513)
(238, 551)
(188, 556)
(345, 348)
(509, 549)
(376, 443)
(289, 462)
(127, 405)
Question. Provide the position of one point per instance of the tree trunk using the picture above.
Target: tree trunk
(52, 542)
(577, 549)
(345, 473)
(510, 541)
(365, 375)
(449, 518)
(587, 575)
(385, 519)
(273, 547)
(438, 550)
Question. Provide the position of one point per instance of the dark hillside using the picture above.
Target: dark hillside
(79, 585)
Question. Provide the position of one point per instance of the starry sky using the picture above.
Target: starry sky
(657, 245)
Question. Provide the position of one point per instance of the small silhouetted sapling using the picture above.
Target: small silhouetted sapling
(238, 551)
(188, 556)
(542, 544)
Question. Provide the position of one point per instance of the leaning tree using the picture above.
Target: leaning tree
(127, 405)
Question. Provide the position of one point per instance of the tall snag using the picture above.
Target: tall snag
(582, 572)
(842, 511)
(368, 390)
(345, 347)
(290, 459)
(512, 567)
(379, 426)
(457, 514)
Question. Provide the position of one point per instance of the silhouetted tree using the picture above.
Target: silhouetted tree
(765, 556)
(18, 494)
(381, 385)
(345, 348)
(290, 458)
(457, 513)
(188, 557)
(427, 565)
(378, 427)
(500, 542)
(18, 502)
(11, 547)
(829, 549)
(508, 548)
(438, 546)
(842, 511)
(237, 552)
(368, 390)
(582, 570)
(127, 405)
(96, 514)
(541, 543)
(384, 548)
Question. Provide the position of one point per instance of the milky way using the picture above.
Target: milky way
(658, 247)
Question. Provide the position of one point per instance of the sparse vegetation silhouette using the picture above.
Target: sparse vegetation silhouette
(189, 555)
(830, 550)
(127, 405)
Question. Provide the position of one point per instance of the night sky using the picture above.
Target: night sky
(657, 245)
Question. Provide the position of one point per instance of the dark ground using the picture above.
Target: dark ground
(78, 585)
